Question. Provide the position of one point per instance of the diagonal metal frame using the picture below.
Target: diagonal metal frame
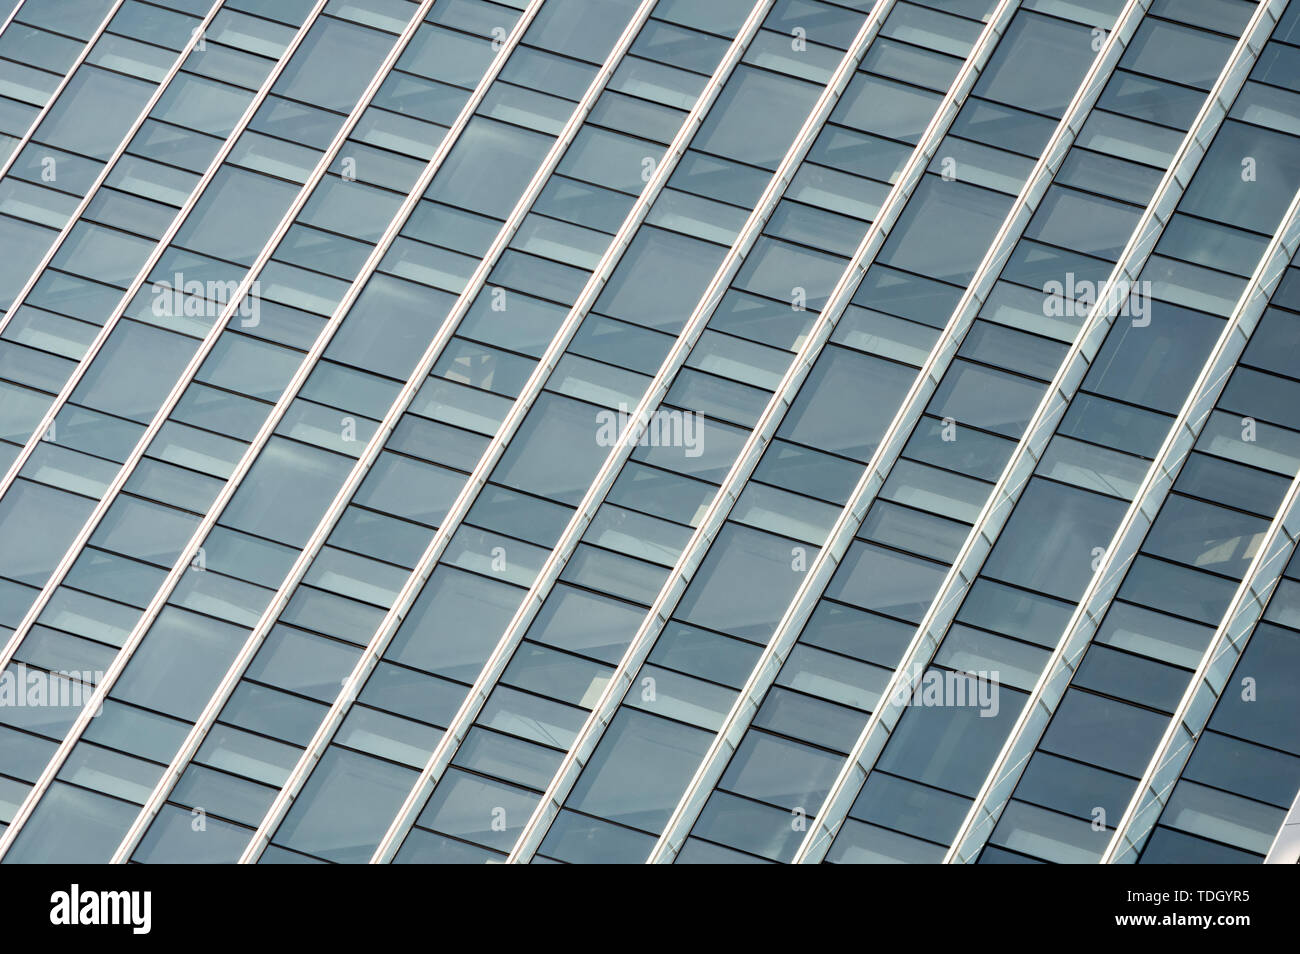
(375, 445)
(26, 138)
(13, 14)
(1123, 549)
(109, 165)
(1234, 631)
(487, 679)
(1207, 685)
(410, 590)
(1285, 849)
(154, 802)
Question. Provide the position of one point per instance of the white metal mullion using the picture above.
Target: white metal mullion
(1042, 425)
(496, 662)
(786, 634)
(1285, 849)
(375, 445)
(593, 727)
(1123, 549)
(7, 164)
(137, 634)
(7, 480)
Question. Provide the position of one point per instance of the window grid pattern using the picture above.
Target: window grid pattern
(1035, 611)
(40, 55)
(419, 644)
(583, 557)
(396, 725)
(1150, 596)
(1212, 811)
(787, 658)
(1157, 632)
(889, 624)
(675, 693)
(205, 457)
(130, 76)
(99, 385)
(347, 590)
(474, 558)
(440, 377)
(583, 418)
(87, 277)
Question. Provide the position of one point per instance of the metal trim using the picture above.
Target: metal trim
(483, 684)
(370, 656)
(271, 613)
(160, 89)
(8, 163)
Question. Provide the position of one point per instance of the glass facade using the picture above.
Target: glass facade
(649, 431)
